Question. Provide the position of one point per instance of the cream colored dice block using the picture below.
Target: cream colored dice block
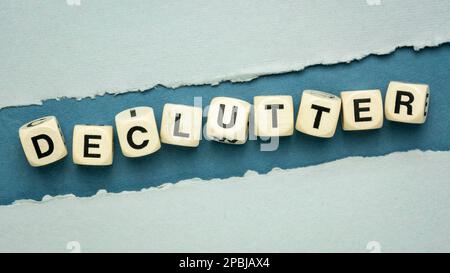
(181, 125)
(362, 110)
(318, 113)
(407, 102)
(228, 120)
(137, 132)
(42, 141)
(92, 145)
(274, 116)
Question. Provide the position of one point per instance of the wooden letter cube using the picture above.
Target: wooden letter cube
(181, 125)
(137, 132)
(407, 102)
(274, 116)
(42, 141)
(228, 120)
(318, 113)
(93, 145)
(362, 110)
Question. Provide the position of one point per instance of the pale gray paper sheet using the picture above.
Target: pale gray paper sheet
(345, 205)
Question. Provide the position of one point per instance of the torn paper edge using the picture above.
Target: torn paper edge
(249, 74)
(199, 181)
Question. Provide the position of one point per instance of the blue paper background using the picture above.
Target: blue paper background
(216, 160)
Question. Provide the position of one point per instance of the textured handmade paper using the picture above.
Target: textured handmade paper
(81, 48)
(54, 48)
(216, 160)
(339, 206)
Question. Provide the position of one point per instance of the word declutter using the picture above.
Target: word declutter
(227, 122)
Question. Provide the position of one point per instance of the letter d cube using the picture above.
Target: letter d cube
(42, 141)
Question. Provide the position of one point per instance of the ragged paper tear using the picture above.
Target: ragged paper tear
(342, 206)
(54, 49)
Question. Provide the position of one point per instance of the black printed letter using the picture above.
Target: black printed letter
(130, 138)
(319, 109)
(274, 108)
(398, 101)
(88, 145)
(37, 148)
(233, 117)
(176, 130)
